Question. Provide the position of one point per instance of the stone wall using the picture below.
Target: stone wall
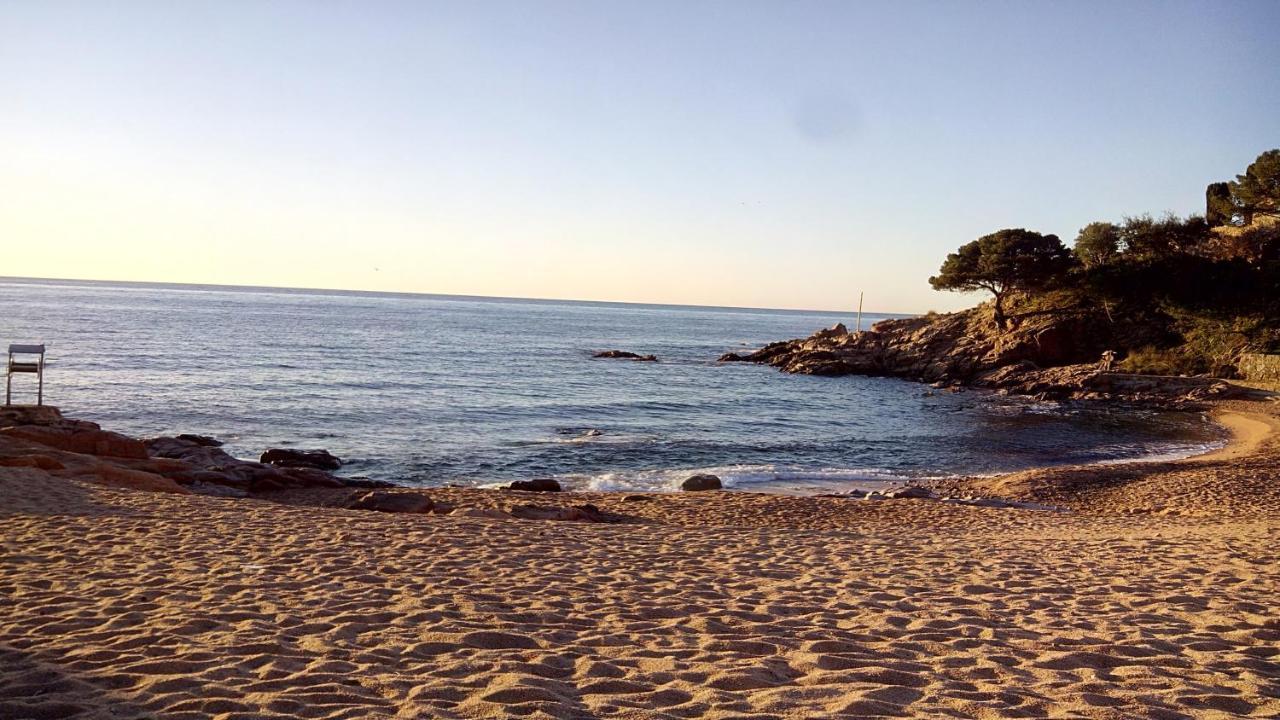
(1257, 366)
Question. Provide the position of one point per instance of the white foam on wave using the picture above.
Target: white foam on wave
(760, 478)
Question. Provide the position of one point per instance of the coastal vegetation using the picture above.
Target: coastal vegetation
(1170, 295)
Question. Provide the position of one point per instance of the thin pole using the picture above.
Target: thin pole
(860, 294)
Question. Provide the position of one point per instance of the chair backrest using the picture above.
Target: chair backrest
(26, 349)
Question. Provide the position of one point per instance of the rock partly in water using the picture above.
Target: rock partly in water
(285, 457)
(204, 440)
(538, 485)
(699, 483)
(624, 355)
(389, 502)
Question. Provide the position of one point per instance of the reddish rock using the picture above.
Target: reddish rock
(41, 462)
(116, 476)
(79, 437)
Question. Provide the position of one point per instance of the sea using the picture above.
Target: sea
(432, 390)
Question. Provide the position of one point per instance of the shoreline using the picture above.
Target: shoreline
(1247, 431)
(1151, 600)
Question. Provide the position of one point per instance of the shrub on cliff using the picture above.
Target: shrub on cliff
(1010, 260)
(1257, 191)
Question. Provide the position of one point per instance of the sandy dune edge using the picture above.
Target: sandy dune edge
(122, 603)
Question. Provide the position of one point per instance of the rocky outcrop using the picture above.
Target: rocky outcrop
(78, 436)
(700, 483)
(624, 355)
(284, 457)
(1051, 356)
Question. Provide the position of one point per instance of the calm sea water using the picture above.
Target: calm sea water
(432, 390)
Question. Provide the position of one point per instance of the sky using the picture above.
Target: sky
(762, 154)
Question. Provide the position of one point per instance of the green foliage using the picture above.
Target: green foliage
(1257, 191)
(1013, 259)
(1097, 244)
(1218, 208)
(1151, 360)
(1173, 295)
(1144, 237)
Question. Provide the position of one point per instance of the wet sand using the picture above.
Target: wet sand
(1154, 597)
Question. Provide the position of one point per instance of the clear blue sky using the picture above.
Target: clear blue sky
(783, 154)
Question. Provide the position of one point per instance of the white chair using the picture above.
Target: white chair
(25, 366)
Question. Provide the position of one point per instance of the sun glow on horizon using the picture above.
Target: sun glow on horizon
(579, 152)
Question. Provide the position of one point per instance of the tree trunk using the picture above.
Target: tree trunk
(1002, 321)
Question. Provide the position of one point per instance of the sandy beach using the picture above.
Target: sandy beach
(1152, 597)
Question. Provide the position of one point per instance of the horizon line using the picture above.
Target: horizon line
(183, 285)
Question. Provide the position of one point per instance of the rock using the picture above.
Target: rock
(635, 498)
(217, 490)
(910, 492)
(311, 477)
(79, 436)
(116, 476)
(699, 483)
(284, 457)
(211, 477)
(204, 456)
(367, 483)
(202, 440)
(389, 502)
(40, 462)
(624, 355)
(538, 485)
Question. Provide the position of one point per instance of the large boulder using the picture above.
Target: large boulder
(699, 483)
(539, 485)
(285, 457)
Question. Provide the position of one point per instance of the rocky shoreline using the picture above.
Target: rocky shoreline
(1041, 358)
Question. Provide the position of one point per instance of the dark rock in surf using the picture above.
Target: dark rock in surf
(283, 457)
(201, 440)
(538, 485)
(700, 483)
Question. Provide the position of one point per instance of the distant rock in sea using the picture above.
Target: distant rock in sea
(624, 355)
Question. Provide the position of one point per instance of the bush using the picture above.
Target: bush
(1151, 360)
